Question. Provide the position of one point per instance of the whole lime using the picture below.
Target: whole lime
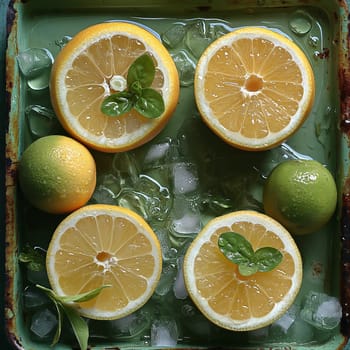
(57, 174)
(301, 195)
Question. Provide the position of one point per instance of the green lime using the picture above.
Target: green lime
(57, 174)
(301, 195)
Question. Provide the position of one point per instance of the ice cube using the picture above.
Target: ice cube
(166, 279)
(134, 200)
(43, 323)
(185, 178)
(164, 332)
(158, 201)
(185, 66)
(125, 168)
(285, 322)
(220, 29)
(179, 288)
(169, 253)
(198, 37)
(34, 298)
(300, 332)
(42, 121)
(35, 65)
(110, 182)
(104, 195)
(174, 35)
(156, 153)
(185, 217)
(321, 310)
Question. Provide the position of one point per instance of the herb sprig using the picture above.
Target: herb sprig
(79, 326)
(33, 257)
(238, 249)
(138, 94)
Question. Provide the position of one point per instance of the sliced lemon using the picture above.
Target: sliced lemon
(254, 88)
(93, 65)
(226, 297)
(105, 245)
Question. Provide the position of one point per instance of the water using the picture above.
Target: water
(63, 42)
(300, 22)
(187, 176)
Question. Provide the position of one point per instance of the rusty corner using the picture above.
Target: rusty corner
(344, 81)
(10, 178)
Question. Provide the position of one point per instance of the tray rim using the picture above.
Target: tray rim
(13, 140)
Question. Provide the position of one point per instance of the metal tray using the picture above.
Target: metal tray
(324, 136)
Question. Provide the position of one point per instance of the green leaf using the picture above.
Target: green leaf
(79, 298)
(80, 327)
(50, 293)
(141, 70)
(34, 258)
(267, 258)
(150, 104)
(118, 104)
(247, 269)
(236, 248)
(136, 88)
(57, 335)
(78, 324)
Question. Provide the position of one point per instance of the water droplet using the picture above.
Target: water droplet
(313, 41)
(300, 22)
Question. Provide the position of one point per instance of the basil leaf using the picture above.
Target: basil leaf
(136, 88)
(236, 248)
(247, 269)
(118, 104)
(79, 298)
(150, 104)
(267, 258)
(141, 70)
(80, 328)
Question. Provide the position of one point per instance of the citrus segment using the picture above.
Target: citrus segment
(105, 245)
(254, 87)
(84, 73)
(57, 174)
(226, 297)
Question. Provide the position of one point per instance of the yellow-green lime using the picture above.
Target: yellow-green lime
(57, 174)
(301, 195)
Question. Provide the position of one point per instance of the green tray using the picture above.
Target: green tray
(324, 137)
